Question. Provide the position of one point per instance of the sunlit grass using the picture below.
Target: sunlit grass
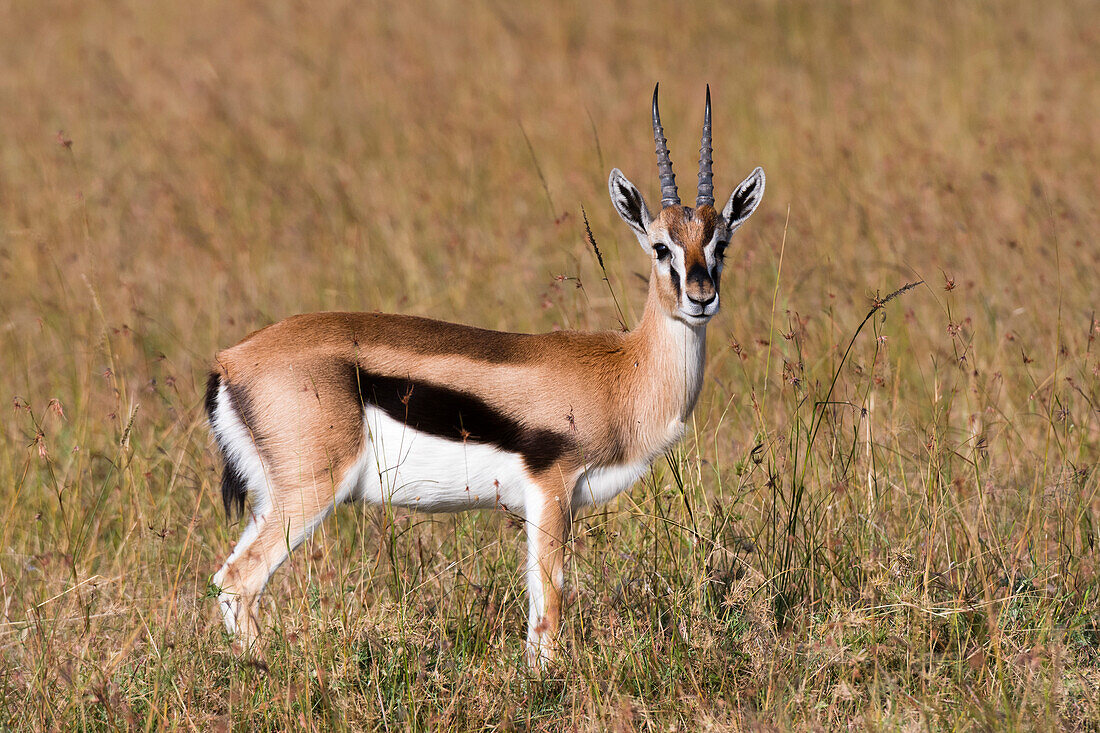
(899, 535)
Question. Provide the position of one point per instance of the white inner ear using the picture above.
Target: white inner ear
(622, 192)
(749, 203)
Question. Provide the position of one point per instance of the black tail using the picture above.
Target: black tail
(234, 486)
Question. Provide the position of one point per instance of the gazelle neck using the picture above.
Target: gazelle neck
(672, 356)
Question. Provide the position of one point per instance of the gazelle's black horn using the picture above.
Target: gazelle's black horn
(669, 197)
(705, 196)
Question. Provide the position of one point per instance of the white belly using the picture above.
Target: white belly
(601, 485)
(402, 466)
(405, 467)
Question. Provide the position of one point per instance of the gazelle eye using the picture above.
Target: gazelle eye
(661, 250)
(720, 250)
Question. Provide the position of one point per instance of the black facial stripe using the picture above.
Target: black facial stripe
(453, 415)
(675, 282)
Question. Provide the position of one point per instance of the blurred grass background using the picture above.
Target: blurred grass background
(918, 553)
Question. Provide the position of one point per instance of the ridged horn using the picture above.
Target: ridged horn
(705, 196)
(669, 197)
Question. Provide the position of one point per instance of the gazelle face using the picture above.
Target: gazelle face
(688, 246)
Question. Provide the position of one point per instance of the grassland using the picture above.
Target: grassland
(891, 526)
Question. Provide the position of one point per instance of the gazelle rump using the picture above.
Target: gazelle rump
(327, 408)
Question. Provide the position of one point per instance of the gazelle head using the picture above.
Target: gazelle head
(688, 246)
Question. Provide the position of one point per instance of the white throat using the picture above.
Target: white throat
(689, 344)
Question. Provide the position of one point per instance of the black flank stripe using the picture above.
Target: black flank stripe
(453, 415)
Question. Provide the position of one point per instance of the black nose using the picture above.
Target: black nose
(700, 287)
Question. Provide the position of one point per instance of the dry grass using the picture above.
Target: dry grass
(919, 552)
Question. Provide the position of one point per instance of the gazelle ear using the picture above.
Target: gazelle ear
(744, 200)
(631, 206)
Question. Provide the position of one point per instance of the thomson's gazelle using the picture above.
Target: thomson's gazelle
(325, 408)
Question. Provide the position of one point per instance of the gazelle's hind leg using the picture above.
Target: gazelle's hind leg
(240, 618)
(293, 460)
(549, 520)
(266, 543)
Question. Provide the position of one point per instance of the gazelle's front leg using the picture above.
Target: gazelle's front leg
(548, 524)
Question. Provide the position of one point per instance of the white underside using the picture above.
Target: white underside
(405, 467)
(600, 485)
(402, 466)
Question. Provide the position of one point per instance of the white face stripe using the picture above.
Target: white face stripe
(677, 252)
(715, 264)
